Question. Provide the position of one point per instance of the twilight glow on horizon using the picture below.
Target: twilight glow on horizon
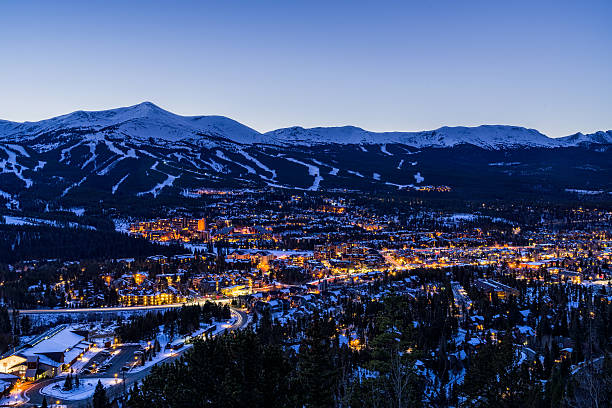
(381, 66)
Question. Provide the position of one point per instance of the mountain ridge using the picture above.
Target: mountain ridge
(147, 120)
(145, 152)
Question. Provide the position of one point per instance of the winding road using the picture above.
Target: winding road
(32, 391)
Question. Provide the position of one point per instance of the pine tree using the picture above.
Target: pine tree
(68, 383)
(135, 399)
(26, 325)
(100, 400)
(44, 403)
(317, 374)
(77, 383)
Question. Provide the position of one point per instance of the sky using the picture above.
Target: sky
(382, 66)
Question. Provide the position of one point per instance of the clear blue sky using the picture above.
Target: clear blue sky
(378, 65)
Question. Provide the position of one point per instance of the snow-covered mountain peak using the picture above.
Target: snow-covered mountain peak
(146, 121)
(142, 121)
(487, 136)
(601, 137)
(104, 118)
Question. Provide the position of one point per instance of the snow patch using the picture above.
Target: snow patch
(312, 170)
(160, 186)
(86, 388)
(383, 148)
(116, 186)
(355, 173)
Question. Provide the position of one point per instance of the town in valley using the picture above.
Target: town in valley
(306, 204)
(440, 288)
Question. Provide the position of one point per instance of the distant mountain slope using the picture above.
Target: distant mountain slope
(600, 137)
(141, 121)
(145, 152)
(486, 136)
(146, 120)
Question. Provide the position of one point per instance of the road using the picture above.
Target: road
(125, 356)
(200, 301)
(389, 259)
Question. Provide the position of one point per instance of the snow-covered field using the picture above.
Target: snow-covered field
(583, 192)
(11, 220)
(13, 399)
(85, 390)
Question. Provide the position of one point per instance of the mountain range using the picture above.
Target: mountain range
(145, 151)
(147, 120)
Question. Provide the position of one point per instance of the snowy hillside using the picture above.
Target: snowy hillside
(142, 121)
(145, 151)
(592, 138)
(486, 136)
(147, 121)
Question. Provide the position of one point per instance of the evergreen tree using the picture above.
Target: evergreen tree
(135, 398)
(26, 325)
(317, 374)
(68, 383)
(100, 400)
(5, 320)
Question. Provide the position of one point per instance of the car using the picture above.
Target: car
(86, 371)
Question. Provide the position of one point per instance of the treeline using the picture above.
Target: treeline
(291, 275)
(182, 321)
(7, 337)
(259, 369)
(19, 242)
(395, 368)
(83, 279)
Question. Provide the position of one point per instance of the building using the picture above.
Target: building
(150, 297)
(490, 287)
(47, 355)
(172, 229)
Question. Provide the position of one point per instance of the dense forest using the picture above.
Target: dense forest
(402, 356)
(175, 321)
(18, 243)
